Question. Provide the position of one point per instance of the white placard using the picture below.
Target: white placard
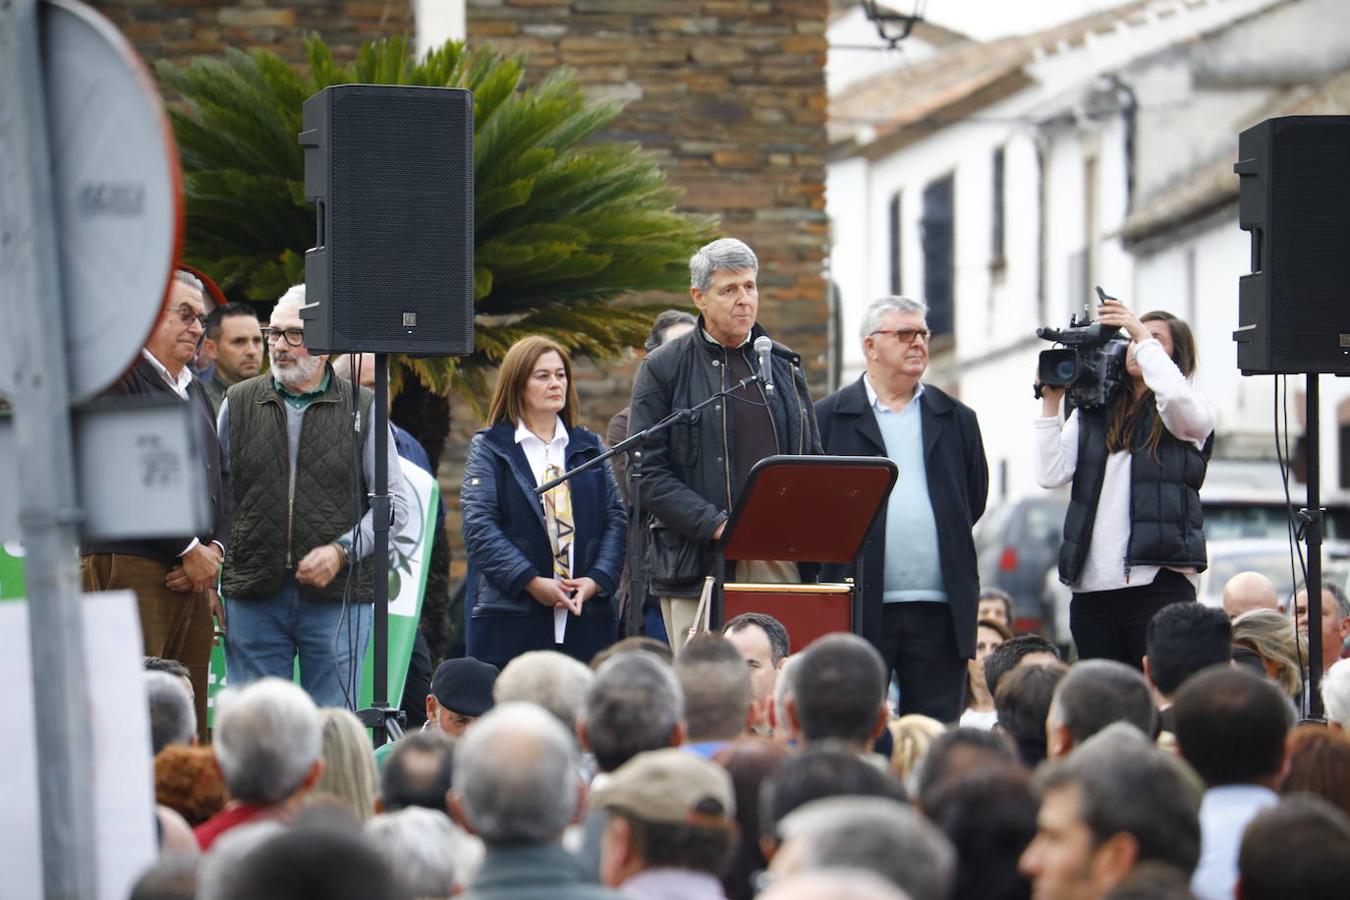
(124, 790)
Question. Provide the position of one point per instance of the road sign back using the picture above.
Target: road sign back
(116, 186)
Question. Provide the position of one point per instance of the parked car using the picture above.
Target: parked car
(1016, 543)
(1247, 499)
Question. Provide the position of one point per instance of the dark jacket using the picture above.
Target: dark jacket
(273, 531)
(958, 485)
(215, 389)
(534, 872)
(143, 380)
(1166, 520)
(686, 472)
(506, 538)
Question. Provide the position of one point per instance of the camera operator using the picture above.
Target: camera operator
(1133, 539)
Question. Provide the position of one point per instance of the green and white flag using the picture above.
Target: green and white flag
(11, 570)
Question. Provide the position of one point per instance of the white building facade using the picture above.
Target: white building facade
(1002, 181)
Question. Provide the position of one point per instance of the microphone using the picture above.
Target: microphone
(764, 347)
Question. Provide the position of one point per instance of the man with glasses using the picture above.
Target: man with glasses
(921, 584)
(174, 579)
(297, 579)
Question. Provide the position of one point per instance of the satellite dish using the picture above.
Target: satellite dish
(117, 189)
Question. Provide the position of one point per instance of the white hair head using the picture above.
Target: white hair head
(428, 855)
(722, 255)
(294, 298)
(549, 679)
(883, 307)
(267, 738)
(516, 776)
(1336, 694)
(875, 834)
(183, 276)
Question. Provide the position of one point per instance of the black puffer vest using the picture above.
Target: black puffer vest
(271, 531)
(1166, 521)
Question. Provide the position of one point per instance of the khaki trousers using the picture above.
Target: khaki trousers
(677, 613)
(173, 625)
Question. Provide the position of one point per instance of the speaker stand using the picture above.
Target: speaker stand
(386, 720)
(1312, 533)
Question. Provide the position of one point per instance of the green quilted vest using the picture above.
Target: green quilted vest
(271, 531)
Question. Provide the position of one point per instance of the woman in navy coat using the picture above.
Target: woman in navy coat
(517, 599)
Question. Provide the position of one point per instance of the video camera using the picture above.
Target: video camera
(1091, 364)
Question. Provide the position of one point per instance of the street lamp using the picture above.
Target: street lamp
(893, 27)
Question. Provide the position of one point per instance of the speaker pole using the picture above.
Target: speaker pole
(380, 715)
(1313, 535)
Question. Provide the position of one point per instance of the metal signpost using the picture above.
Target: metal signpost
(44, 460)
(90, 219)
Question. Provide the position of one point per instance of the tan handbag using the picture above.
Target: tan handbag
(704, 611)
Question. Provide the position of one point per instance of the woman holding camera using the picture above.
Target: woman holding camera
(1133, 533)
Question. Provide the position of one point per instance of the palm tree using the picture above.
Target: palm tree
(566, 229)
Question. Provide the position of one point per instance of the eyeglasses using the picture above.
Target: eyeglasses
(293, 336)
(187, 315)
(907, 335)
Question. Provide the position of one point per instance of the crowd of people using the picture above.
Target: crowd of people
(653, 775)
(931, 752)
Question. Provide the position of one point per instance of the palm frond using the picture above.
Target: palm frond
(567, 227)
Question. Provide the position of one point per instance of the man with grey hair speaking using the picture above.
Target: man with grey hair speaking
(921, 586)
(694, 471)
(302, 525)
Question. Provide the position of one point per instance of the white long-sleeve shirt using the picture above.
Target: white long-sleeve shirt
(1184, 413)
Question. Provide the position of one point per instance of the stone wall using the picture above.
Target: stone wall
(181, 29)
(730, 95)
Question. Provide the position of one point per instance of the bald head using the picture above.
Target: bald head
(1246, 591)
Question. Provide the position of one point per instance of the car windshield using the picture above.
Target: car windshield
(1272, 564)
(1045, 523)
(1226, 521)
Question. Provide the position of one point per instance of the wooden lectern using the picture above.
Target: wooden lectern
(802, 509)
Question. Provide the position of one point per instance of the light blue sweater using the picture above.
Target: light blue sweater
(912, 568)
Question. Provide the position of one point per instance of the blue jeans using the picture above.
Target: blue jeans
(264, 636)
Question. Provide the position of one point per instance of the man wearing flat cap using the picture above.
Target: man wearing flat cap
(461, 692)
(672, 827)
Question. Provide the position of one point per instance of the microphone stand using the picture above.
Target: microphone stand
(632, 445)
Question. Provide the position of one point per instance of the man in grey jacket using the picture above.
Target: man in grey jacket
(694, 471)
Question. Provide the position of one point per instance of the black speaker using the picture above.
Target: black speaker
(390, 170)
(1294, 198)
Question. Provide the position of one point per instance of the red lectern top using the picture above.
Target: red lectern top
(808, 508)
(803, 509)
